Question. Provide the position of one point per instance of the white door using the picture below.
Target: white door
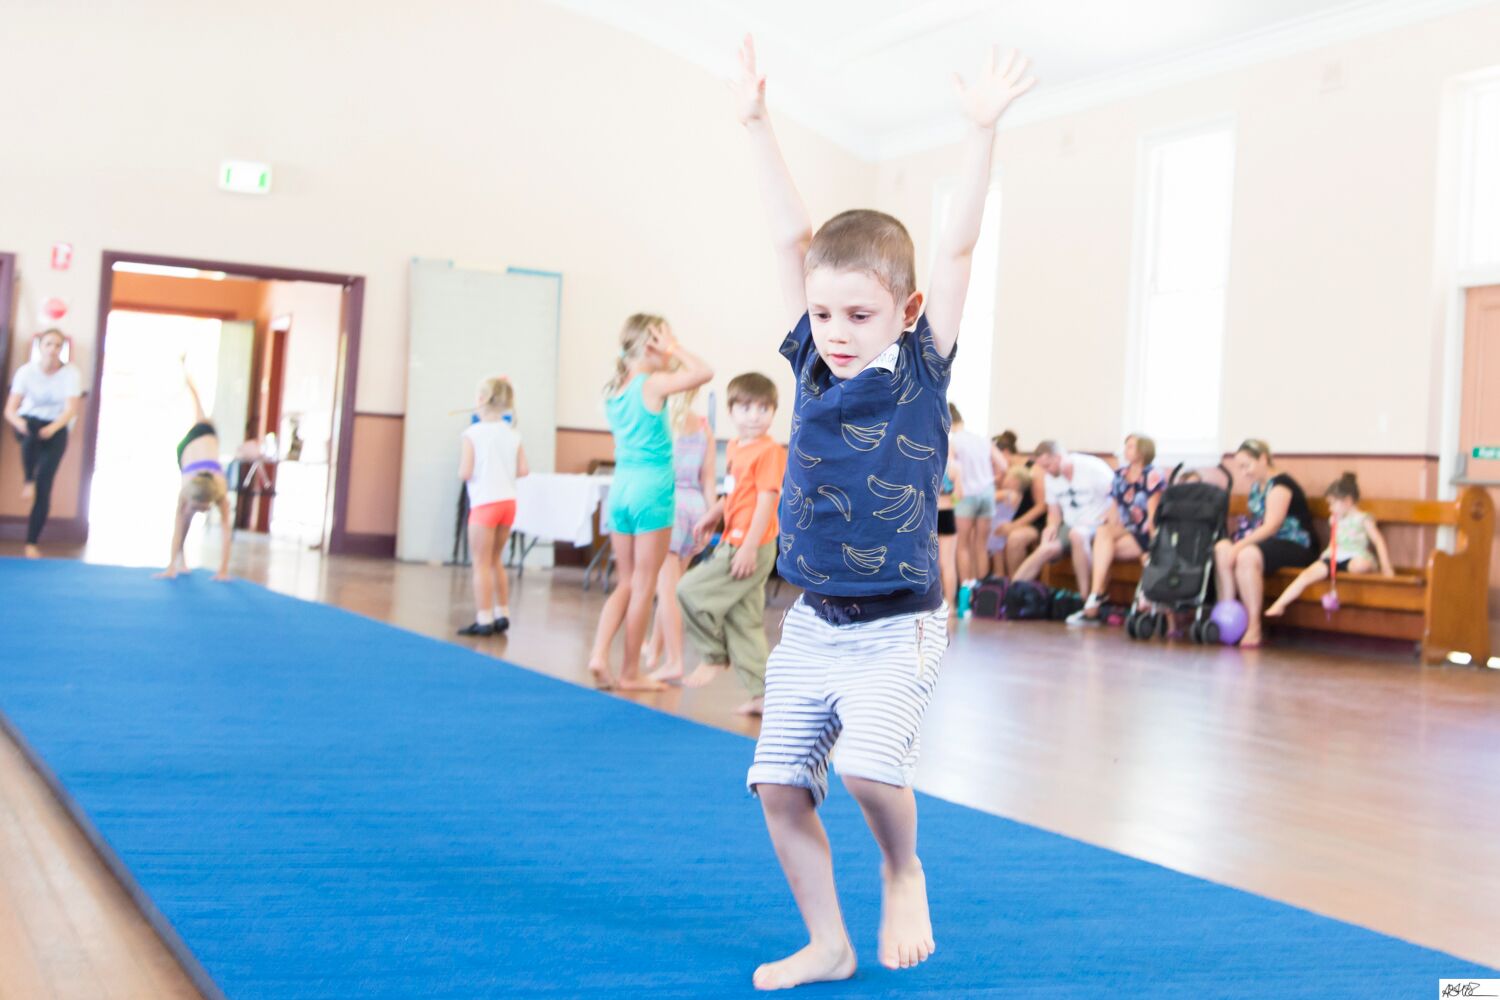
(231, 407)
(468, 325)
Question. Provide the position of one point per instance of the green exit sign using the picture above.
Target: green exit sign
(1488, 452)
(245, 177)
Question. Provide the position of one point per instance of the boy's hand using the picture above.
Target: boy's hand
(743, 563)
(750, 88)
(703, 531)
(994, 89)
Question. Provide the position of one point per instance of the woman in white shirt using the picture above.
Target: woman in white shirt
(44, 401)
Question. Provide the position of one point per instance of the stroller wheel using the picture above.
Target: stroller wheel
(1162, 623)
(1195, 631)
(1211, 633)
(1132, 619)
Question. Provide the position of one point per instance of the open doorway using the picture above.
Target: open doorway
(272, 353)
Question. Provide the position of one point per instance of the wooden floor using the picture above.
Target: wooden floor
(1344, 779)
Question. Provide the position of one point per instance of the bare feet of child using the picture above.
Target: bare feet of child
(667, 673)
(813, 964)
(704, 675)
(1251, 639)
(602, 679)
(635, 682)
(905, 926)
(32, 552)
(755, 706)
(1275, 610)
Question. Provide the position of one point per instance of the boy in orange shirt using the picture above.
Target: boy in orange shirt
(724, 598)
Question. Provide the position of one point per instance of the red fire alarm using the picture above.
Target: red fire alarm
(54, 309)
(62, 256)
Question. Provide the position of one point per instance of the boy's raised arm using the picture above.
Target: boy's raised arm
(983, 102)
(791, 228)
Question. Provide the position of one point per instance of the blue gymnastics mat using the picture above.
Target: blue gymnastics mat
(313, 804)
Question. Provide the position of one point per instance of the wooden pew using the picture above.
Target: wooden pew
(1441, 605)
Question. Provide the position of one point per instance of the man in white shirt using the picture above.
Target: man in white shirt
(1078, 499)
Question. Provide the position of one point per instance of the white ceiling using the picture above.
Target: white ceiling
(873, 75)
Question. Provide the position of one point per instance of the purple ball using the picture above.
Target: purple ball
(1231, 618)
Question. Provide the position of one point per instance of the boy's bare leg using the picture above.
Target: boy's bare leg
(802, 848)
(905, 925)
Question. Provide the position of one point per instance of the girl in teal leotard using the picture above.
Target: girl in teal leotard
(641, 505)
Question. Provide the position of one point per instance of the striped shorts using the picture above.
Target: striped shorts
(864, 686)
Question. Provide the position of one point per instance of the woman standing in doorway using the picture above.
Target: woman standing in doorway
(44, 400)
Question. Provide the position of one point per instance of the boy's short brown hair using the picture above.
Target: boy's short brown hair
(863, 239)
(752, 387)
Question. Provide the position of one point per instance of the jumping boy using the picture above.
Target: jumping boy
(859, 653)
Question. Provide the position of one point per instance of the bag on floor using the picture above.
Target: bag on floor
(1028, 600)
(1065, 603)
(989, 597)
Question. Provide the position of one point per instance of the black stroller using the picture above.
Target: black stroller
(1191, 519)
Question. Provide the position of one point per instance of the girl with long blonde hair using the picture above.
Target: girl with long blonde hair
(642, 498)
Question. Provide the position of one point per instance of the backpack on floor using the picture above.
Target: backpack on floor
(1028, 600)
(1065, 603)
(989, 597)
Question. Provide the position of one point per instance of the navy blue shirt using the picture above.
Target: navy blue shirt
(858, 510)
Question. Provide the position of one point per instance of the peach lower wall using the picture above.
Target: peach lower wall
(374, 474)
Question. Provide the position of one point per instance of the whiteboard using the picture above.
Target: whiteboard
(467, 325)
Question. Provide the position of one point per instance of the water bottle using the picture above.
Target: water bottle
(965, 598)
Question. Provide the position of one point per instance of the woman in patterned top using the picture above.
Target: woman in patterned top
(1358, 545)
(1126, 533)
(1282, 536)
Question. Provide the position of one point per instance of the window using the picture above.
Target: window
(1479, 237)
(1175, 369)
(973, 379)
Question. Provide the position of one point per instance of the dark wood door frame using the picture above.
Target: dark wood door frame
(7, 314)
(353, 286)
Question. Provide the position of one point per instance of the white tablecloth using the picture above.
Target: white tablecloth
(559, 508)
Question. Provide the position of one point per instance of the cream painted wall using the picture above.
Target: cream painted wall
(501, 134)
(1333, 345)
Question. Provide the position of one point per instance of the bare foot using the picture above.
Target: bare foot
(813, 964)
(905, 926)
(32, 552)
(636, 682)
(755, 706)
(669, 674)
(28, 491)
(1250, 640)
(704, 675)
(1275, 610)
(602, 680)
(648, 657)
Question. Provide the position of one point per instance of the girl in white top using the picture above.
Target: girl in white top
(492, 461)
(980, 463)
(44, 401)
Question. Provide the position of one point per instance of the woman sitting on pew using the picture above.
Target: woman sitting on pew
(1282, 536)
(1357, 546)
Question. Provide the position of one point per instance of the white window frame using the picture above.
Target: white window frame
(1208, 447)
(975, 340)
(1455, 272)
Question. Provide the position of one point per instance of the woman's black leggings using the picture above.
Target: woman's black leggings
(40, 457)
